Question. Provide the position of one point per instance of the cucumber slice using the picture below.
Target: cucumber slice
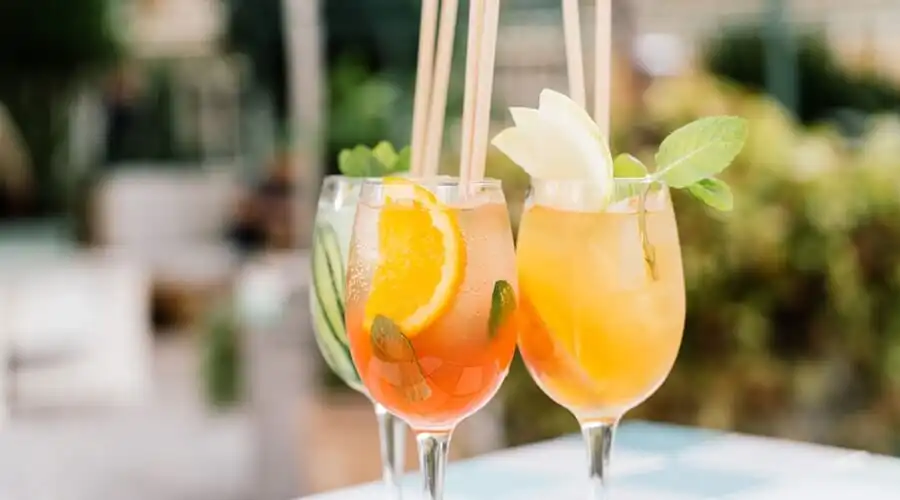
(336, 355)
(328, 279)
(335, 259)
(327, 305)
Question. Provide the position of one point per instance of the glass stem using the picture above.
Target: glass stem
(434, 448)
(599, 437)
(392, 433)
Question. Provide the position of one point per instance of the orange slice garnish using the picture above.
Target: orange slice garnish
(422, 258)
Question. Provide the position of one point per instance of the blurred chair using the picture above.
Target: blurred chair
(172, 220)
(76, 331)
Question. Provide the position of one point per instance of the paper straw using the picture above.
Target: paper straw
(470, 97)
(438, 110)
(424, 76)
(602, 64)
(574, 51)
(487, 59)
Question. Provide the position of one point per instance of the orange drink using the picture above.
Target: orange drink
(600, 325)
(431, 299)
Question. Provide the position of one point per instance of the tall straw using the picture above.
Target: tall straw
(470, 96)
(438, 109)
(487, 58)
(424, 76)
(574, 51)
(603, 64)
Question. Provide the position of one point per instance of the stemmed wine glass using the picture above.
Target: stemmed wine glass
(431, 300)
(602, 303)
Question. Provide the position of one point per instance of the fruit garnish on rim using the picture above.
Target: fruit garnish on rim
(422, 258)
(560, 141)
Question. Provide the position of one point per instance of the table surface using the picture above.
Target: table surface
(662, 462)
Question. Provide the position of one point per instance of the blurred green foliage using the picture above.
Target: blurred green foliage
(825, 85)
(255, 28)
(793, 323)
(58, 38)
(390, 44)
(356, 51)
(46, 48)
(365, 108)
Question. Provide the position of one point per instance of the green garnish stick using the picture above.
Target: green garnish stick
(649, 249)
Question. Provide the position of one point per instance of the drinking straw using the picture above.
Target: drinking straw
(473, 49)
(438, 108)
(486, 62)
(574, 51)
(424, 75)
(602, 64)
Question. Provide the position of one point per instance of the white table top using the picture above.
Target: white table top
(659, 462)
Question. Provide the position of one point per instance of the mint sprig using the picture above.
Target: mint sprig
(690, 158)
(380, 161)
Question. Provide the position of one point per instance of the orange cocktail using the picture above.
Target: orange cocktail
(602, 305)
(599, 262)
(431, 296)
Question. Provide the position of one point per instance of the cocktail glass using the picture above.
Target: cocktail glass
(602, 301)
(431, 299)
(331, 242)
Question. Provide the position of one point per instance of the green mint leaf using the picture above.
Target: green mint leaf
(391, 346)
(345, 161)
(627, 166)
(385, 154)
(715, 193)
(379, 161)
(357, 162)
(404, 161)
(503, 305)
(700, 150)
